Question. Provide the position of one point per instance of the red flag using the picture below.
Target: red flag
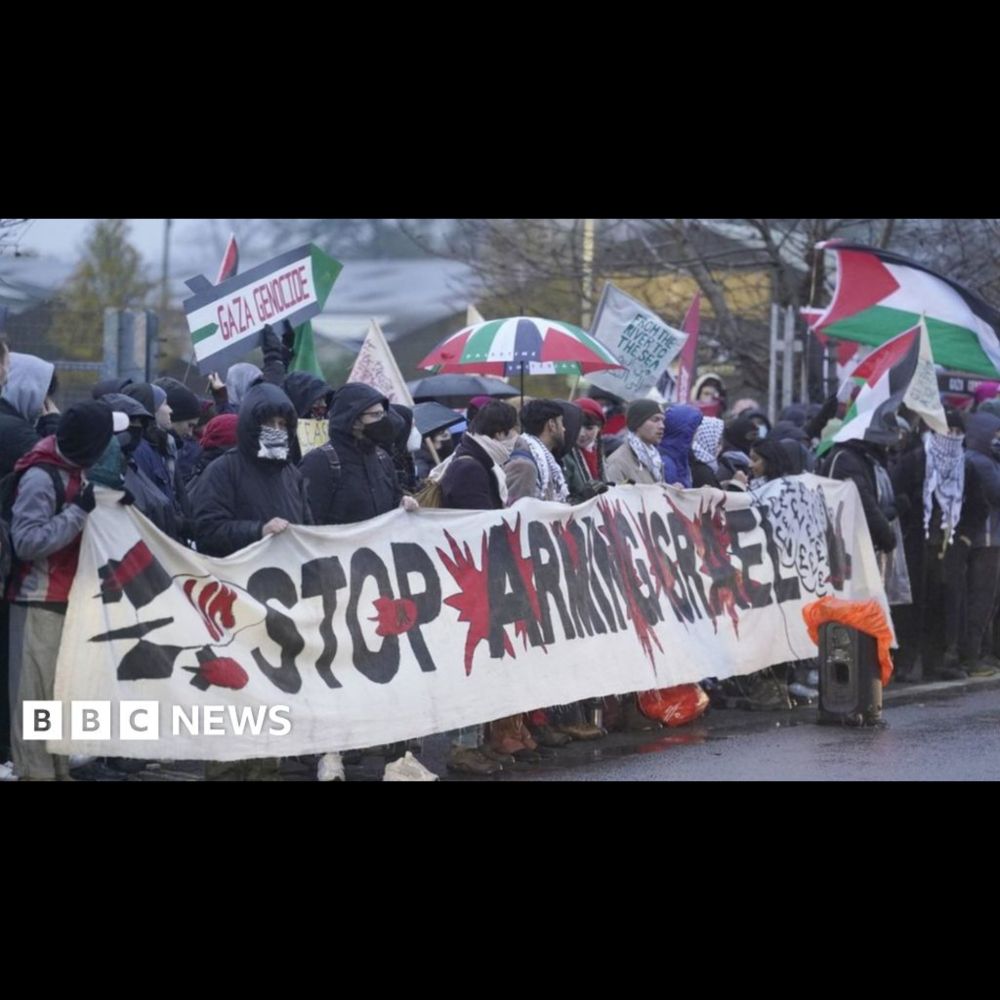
(689, 354)
(230, 261)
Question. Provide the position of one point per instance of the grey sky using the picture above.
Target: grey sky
(63, 238)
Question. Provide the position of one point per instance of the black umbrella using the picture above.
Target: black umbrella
(442, 386)
(433, 417)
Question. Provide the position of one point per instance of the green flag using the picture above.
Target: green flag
(305, 351)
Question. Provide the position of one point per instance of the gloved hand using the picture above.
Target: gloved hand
(127, 499)
(85, 499)
(270, 341)
(288, 338)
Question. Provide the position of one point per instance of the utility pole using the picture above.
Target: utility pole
(587, 286)
(165, 276)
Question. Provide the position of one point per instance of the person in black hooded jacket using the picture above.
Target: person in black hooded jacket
(253, 490)
(856, 460)
(353, 479)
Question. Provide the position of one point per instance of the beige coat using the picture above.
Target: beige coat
(624, 467)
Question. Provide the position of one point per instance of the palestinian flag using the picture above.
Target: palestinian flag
(899, 373)
(879, 295)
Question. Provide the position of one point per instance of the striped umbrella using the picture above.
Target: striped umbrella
(523, 344)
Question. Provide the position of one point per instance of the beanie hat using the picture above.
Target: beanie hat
(85, 430)
(181, 400)
(639, 411)
(220, 432)
(592, 409)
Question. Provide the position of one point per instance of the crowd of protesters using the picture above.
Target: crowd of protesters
(221, 473)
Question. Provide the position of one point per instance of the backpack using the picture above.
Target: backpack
(431, 494)
(8, 493)
(333, 460)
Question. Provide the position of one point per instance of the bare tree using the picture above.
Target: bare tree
(10, 232)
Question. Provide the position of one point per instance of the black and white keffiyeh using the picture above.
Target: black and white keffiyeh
(944, 480)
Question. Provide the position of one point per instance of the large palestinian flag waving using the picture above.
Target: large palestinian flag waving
(879, 295)
(899, 372)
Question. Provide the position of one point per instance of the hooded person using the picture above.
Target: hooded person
(253, 490)
(352, 478)
(982, 442)
(759, 417)
(26, 412)
(146, 495)
(794, 413)
(709, 388)
(50, 509)
(679, 426)
(309, 394)
(106, 386)
(940, 504)
(239, 379)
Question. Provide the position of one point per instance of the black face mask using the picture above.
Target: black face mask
(381, 432)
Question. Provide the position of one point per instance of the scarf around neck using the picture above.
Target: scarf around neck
(648, 455)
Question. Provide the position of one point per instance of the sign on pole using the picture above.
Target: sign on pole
(226, 320)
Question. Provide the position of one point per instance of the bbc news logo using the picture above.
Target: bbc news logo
(140, 720)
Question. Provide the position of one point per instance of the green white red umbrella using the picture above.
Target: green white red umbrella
(524, 345)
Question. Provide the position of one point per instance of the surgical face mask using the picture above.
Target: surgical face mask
(761, 432)
(380, 432)
(414, 441)
(273, 444)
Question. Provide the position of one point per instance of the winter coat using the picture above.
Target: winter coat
(680, 423)
(239, 493)
(469, 482)
(46, 539)
(366, 485)
(979, 431)
(624, 467)
(852, 460)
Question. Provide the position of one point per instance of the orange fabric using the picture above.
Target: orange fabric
(674, 706)
(865, 616)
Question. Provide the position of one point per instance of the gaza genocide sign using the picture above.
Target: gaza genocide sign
(226, 320)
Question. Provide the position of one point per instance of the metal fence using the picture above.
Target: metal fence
(86, 347)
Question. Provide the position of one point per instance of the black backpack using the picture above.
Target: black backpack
(8, 493)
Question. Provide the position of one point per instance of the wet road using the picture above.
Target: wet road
(953, 737)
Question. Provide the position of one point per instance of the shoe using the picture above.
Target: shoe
(330, 768)
(408, 768)
(581, 731)
(980, 669)
(767, 693)
(527, 756)
(949, 673)
(546, 736)
(469, 760)
(991, 660)
(500, 758)
(802, 694)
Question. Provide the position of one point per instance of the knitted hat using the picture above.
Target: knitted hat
(592, 409)
(182, 401)
(85, 429)
(639, 411)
